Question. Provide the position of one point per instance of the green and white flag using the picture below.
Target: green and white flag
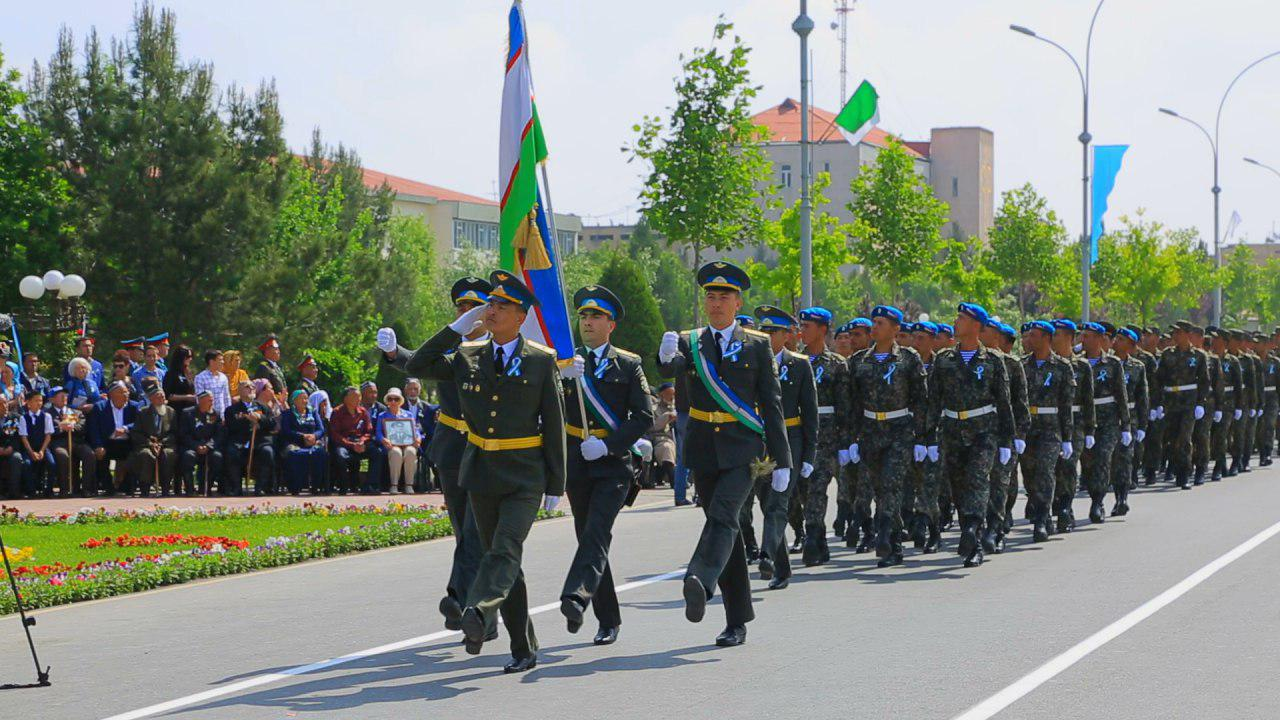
(860, 114)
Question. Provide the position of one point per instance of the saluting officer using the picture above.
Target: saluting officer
(445, 452)
(599, 459)
(735, 401)
(800, 410)
(831, 375)
(514, 462)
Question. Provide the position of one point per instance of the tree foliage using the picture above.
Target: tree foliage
(641, 328)
(780, 278)
(1025, 241)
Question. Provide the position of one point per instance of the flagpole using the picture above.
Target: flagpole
(802, 26)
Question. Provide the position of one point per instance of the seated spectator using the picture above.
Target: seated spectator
(201, 434)
(35, 432)
(71, 447)
(150, 369)
(82, 389)
(662, 434)
(351, 438)
(10, 453)
(212, 381)
(398, 456)
(305, 459)
(369, 399)
(121, 371)
(249, 448)
(425, 413)
(235, 374)
(31, 378)
(177, 384)
(109, 426)
(155, 445)
(11, 392)
(84, 351)
(319, 402)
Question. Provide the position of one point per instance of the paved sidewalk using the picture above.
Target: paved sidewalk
(70, 505)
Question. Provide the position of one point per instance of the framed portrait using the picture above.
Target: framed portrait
(398, 431)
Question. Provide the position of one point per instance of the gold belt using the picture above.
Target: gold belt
(792, 422)
(576, 431)
(451, 422)
(711, 417)
(516, 443)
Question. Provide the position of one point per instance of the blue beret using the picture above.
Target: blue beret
(817, 314)
(1007, 330)
(859, 322)
(745, 320)
(946, 328)
(887, 311)
(1126, 332)
(925, 326)
(1094, 327)
(1043, 326)
(1065, 324)
(975, 311)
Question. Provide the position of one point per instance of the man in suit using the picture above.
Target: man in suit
(109, 426)
(514, 461)
(445, 452)
(201, 434)
(599, 474)
(155, 443)
(269, 369)
(730, 373)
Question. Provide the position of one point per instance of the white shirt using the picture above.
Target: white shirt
(216, 385)
(725, 335)
(117, 415)
(28, 419)
(508, 349)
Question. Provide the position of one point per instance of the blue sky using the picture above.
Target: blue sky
(414, 86)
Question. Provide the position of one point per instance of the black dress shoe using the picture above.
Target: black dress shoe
(732, 636)
(766, 569)
(683, 503)
(1096, 512)
(934, 541)
(975, 559)
(473, 630)
(452, 612)
(518, 665)
(753, 554)
(797, 546)
(779, 583)
(572, 612)
(695, 599)
(893, 558)
(1040, 532)
(606, 636)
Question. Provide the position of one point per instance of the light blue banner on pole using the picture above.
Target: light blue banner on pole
(1106, 166)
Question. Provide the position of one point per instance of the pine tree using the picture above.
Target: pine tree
(641, 328)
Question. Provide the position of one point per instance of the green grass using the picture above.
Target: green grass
(61, 543)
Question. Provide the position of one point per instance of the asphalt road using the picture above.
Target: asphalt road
(929, 639)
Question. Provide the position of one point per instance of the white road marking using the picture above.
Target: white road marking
(1034, 679)
(268, 678)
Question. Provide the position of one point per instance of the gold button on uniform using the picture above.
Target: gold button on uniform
(490, 429)
(493, 413)
(495, 398)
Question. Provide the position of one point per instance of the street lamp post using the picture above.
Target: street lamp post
(1215, 144)
(1086, 256)
(1265, 166)
(802, 26)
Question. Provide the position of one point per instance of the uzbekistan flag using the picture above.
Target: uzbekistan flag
(528, 246)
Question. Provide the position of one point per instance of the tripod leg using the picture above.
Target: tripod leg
(42, 676)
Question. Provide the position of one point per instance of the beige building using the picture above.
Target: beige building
(459, 220)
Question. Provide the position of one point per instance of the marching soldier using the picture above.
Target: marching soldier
(1259, 399)
(969, 413)
(1153, 448)
(800, 410)
(599, 474)
(1051, 390)
(853, 492)
(1184, 379)
(1082, 423)
(1135, 379)
(734, 402)
(1212, 407)
(1233, 394)
(445, 451)
(1270, 364)
(994, 335)
(944, 339)
(887, 423)
(1248, 397)
(925, 533)
(514, 462)
(1113, 425)
(831, 376)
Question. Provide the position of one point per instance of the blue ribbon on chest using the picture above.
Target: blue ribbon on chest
(888, 376)
(731, 352)
(783, 371)
(513, 369)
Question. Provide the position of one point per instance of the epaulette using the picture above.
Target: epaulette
(755, 333)
(799, 356)
(626, 353)
(539, 346)
(474, 343)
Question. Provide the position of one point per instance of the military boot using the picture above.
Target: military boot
(798, 545)
(895, 554)
(1097, 510)
(919, 529)
(970, 547)
(842, 518)
(1217, 472)
(1199, 477)
(1040, 525)
(989, 536)
(884, 537)
(813, 546)
(1183, 480)
(934, 541)
(1150, 477)
(1122, 502)
(868, 535)
(825, 550)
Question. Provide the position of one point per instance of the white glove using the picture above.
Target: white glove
(669, 347)
(574, 369)
(1237, 414)
(1198, 412)
(468, 321)
(645, 448)
(1217, 416)
(855, 457)
(1140, 435)
(1066, 450)
(1019, 446)
(806, 469)
(1256, 413)
(932, 453)
(781, 479)
(549, 502)
(387, 340)
(1088, 442)
(1126, 438)
(1160, 410)
(593, 448)
(1153, 414)
(1005, 455)
(843, 457)
(920, 452)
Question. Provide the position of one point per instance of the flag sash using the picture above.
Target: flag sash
(720, 390)
(596, 405)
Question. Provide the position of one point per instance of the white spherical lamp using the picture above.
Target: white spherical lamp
(31, 287)
(72, 286)
(52, 280)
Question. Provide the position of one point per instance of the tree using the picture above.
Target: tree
(830, 249)
(672, 283)
(1063, 287)
(965, 272)
(1025, 241)
(1242, 287)
(1147, 271)
(641, 328)
(34, 227)
(897, 230)
(706, 162)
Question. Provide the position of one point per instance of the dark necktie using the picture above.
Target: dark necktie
(719, 352)
(499, 362)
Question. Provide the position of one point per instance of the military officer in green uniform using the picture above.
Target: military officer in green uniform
(1232, 397)
(857, 491)
(445, 452)
(1200, 438)
(514, 462)
(1125, 344)
(1184, 380)
(831, 375)
(1153, 448)
(1051, 391)
(1269, 365)
(800, 410)
(735, 417)
(269, 369)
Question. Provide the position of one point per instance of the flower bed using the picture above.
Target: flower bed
(88, 516)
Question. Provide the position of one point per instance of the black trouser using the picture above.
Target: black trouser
(720, 559)
(596, 503)
(348, 465)
(264, 469)
(209, 467)
(123, 482)
(466, 546)
(746, 518)
(503, 521)
(773, 534)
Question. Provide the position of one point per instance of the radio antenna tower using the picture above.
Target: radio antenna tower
(841, 26)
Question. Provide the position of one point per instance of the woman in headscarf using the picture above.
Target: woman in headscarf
(302, 433)
(319, 401)
(231, 360)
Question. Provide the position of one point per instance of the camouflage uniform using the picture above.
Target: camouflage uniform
(1152, 449)
(1122, 460)
(969, 442)
(1270, 405)
(1111, 416)
(1233, 396)
(800, 410)
(886, 419)
(831, 373)
(998, 493)
(1204, 426)
(927, 480)
(1183, 377)
(1051, 389)
(1083, 423)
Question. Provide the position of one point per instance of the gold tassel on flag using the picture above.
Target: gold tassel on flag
(529, 242)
